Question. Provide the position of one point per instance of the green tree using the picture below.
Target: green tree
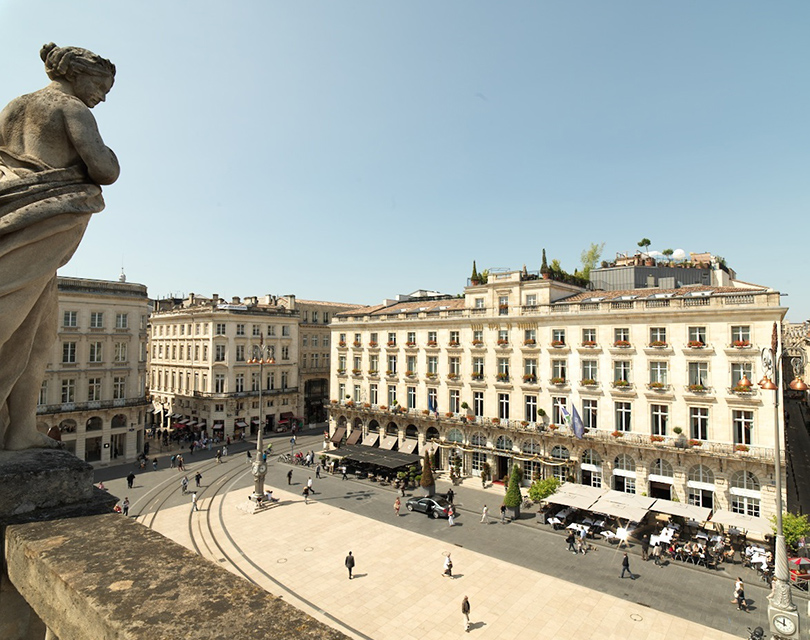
(475, 277)
(513, 497)
(427, 480)
(544, 265)
(542, 489)
(590, 258)
(793, 526)
(644, 243)
(668, 253)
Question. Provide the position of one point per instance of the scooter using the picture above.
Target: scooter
(756, 633)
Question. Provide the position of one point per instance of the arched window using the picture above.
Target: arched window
(701, 473)
(478, 440)
(531, 447)
(532, 469)
(391, 429)
(67, 426)
(744, 488)
(744, 480)
(662, 468)
(432, 433)
(94, 424)
(119, 421)
(503, 443)
(358, 423)
(589, 456)
(560, 471)
(411, 431)
(341, 422)
(590, 465)
(455, 435)
(560, 453)
(624, 462)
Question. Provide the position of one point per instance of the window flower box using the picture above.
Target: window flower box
(503, 308)
(741, 447)
(657, 385)
(372, 344)
(448, 414)
(617, 434)
(410, 374)
(356, 372)
(477, 376)
(470, 418)
(357, 343)
(477, 343)
(558, 380)
(342, 343)
(453, 343)
(349, 403)
(558, 343)
(530, 377)
(383, 407)
(392, 343)
(656, 438)
(496, 421)
(741, 388)
(432, 376)
(742, 344)
(589, 343)
(553, 427)
(390, 372)
(452, 376)
(588, 382)
(530, 342)
(410, 343)
(366, 405)
(659, 344)
(695, 344)
(341, 371)
(621, 384)
(334, 401)
(431, 343)
(425, 412)
(372, 372)
(502, 342)
(697, 388)
(502, 377)
(524, 423)
(622, 344)
(696, 443)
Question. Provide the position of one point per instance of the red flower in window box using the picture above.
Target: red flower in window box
(617, 434)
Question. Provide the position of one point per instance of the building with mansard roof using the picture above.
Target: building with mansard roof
(664, 380)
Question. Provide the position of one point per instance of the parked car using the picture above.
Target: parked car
(434, 507)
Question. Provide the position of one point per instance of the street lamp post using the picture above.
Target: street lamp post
(782, 614)
(260, 354)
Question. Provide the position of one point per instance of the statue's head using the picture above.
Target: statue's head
(90, 75)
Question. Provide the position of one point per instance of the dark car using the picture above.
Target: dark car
(433, 507)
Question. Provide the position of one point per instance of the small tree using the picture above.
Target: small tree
(475, 277)
(542, 489)
(513, 497)
(644, 243)
(427, 480)
(668, 253)
(793, 526)
(590, 258)
(544, 270)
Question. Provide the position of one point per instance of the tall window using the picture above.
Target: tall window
(699, 423)
(503, 336)
(220, 329)
(455, 400)
(95, 352)
(219, 353)
(743, 425)
(373, 363)
(478, 403)
(392, 395)
(68, 390)
(699, 374)
(219, 383)
(96, 320)
(621, 371)
(432, 338)
(43, 393)
(558, 403)
(372, 394)
(478, 366)
(392, 339)
(68, 352)
(455, 338)
(744, 488)
(454, 365)
(240, 353)
(530, 367)
(588, 336)
(560, 471)
(433, 398)
(240, 382)
(531, 299)
(70, 319)
(392, 364)
(119, 388)
(558, 336)
(658, 372)
(503, 305)
(503, 406)
(530, 336)
(356, 393)
(740, 369)
(314, 316)
(659, 419)
(478, 336)
(697, 335)
(740, 334)
(530, 409)
(503, 368)
(285, 352)
(433, 364)
(411, 397)
(589, 371)
(240, 329)
(621, 335)
(93, 389)
(623, 416)
(121, 321)
(589, 414)
(559, 370)
(658, 335)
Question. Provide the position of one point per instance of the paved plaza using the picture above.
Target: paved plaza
(296, 551)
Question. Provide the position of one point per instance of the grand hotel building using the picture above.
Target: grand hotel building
(664, 379)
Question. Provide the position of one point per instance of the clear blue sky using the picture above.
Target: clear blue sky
(353, 150)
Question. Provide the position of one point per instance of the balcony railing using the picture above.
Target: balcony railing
(92, 405)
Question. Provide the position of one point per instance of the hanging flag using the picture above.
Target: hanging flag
(566, 416)
(579, 427)
(431, 408)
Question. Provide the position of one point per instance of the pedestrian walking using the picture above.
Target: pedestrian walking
(485, 515)
(173, 460)
(402, 488)
(448, 565)
(125, 506)
(197, 478)
(180, 464)
(154, 464)
(397, 505)
(219, 456)
(289, 477)
(184, 485)
(130, 479)
(451, 516)
(571, 540)
(626, 567)
(194, 506)
(247, 453)
(349, 562)
(503, 513)
(318, 472)
(343, 473)
(450, 495)
(191, 449)
(465, 611)
(306, 495)
(656, 552)
(645, 548)
(225, 448)
(739, 596)
(309, 485)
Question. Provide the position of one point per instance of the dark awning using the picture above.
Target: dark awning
(377, 457)
(338, 435)
(354, 436)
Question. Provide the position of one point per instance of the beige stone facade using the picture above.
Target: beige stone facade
(94, 388)
(487, 376)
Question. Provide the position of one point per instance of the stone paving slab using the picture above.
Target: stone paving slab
(399, 592)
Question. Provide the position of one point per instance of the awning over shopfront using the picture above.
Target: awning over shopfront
(184, 421)
(370, 440)
(337, 436)
(408, 445)
(627, 506)
(578, 496)
(354, 436)
(175, 416)
(375, 456)
(241, 424)
(688, 511)
(742, 522)
(193, 423)
(388, 442)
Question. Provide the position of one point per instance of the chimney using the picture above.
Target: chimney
(235, 300)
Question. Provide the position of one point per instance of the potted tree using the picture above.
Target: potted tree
(427, 481)
(680, 440)
(542, 489)
(513, 497)
(486, 474)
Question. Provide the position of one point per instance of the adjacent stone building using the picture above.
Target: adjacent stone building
(663, 379)
(94, 387)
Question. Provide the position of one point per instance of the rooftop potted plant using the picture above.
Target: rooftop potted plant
(680, 438)
(513, 497)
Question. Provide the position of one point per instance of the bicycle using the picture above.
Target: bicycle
(284, 457)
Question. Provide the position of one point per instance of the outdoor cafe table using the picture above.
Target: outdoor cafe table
(562, 515)
(581, 528)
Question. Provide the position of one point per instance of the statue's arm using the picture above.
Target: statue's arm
(102, 165)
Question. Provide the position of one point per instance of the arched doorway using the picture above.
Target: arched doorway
(700, 486)
(532, 469)
(504, 446)
(479, 456)
(590, 465)
(560, 454)
(661, 478)
(92, 444)
(624, 473)
(391, 429)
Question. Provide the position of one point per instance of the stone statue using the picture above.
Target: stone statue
(52, 161)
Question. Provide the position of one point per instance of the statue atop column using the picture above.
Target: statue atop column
(52, 161)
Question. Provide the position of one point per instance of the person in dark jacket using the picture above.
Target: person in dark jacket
(349, 562)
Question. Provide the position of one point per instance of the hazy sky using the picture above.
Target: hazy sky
(353, 150)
